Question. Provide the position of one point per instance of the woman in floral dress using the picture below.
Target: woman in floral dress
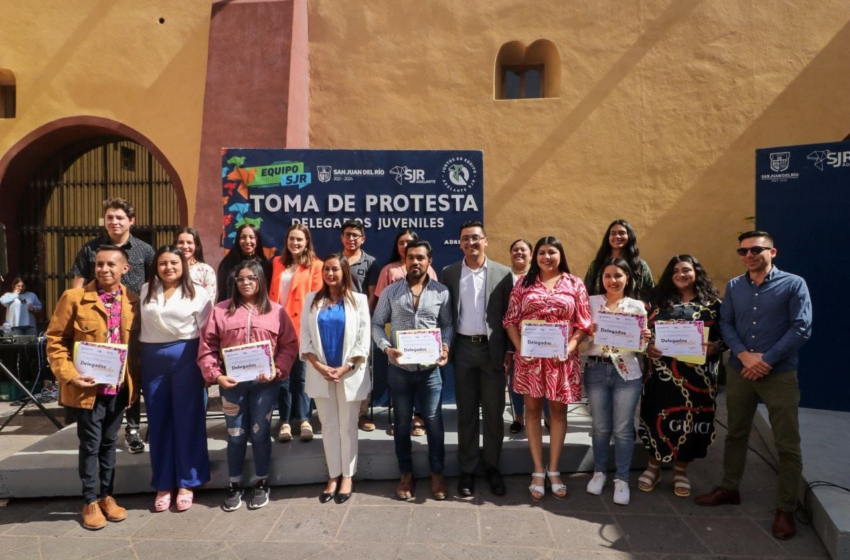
(548, 293)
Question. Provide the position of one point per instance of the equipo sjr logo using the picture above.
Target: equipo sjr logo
(459, 174)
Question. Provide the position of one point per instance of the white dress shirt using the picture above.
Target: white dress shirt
(179, 318)
(470, 316)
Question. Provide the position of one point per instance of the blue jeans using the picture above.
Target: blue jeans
(613, 401)
(425, 388)
(293, 404)
(248, 411)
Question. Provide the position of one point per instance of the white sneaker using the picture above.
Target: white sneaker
(596, 484)
(621, 492)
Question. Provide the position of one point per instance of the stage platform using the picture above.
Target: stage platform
(49, 467)
(826, 456)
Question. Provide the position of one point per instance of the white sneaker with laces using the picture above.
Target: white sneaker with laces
(621, 492)
(596, 484)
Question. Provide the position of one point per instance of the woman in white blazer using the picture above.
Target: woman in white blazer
(335, 338)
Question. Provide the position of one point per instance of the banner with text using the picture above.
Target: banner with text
(431, 192)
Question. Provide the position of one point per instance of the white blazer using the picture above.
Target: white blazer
(356, 344)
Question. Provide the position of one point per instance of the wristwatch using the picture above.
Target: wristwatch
(351, 366)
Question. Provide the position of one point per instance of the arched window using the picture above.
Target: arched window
(527, 72)
(7, 94)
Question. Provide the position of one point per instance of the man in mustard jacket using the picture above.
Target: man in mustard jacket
(102, 311)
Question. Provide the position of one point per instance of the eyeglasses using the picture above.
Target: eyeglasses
(754, 250)
(352, 235)
(245, 279)
(471, 239)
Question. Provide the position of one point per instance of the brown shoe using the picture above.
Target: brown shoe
(365, 424)
(438, 486)
(404, 490)
(783, 525)
(718, 497)
(112, 510)
(93, 518)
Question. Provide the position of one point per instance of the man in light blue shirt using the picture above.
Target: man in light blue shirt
(417, 302)
(765, 318)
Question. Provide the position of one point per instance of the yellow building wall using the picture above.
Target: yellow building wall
(662, 103)
(662, 106)
(110, 59)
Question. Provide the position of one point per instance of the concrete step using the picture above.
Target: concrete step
(826, 457)
(49, 467)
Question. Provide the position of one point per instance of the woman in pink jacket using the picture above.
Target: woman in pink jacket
(247, 317)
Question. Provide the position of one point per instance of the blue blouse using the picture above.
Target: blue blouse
(332, 332)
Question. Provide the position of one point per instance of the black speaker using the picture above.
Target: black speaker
(4, 256)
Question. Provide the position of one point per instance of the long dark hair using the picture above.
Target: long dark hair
(631, 254)
(324, 292)
(185, 279)
(394, 256)
(236, 256)
(307, 255)
(199, 248)
(534, 271)
(629, 290)
(264, 304)
(666, 294)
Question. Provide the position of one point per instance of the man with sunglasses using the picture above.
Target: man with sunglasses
(765, 318)
(364, 277)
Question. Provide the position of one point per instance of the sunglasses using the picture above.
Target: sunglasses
(754, 250)
(246, 279)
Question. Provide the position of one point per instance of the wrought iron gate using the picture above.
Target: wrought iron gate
(62, 208)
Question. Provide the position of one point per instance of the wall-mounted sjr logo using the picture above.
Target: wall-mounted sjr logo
(828, 157)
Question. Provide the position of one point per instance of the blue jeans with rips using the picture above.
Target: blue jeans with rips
(425, 388)
(248, 413)
(613, 401)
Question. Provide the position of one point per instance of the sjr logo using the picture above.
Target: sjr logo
(833, 159)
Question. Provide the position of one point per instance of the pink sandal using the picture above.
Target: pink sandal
(184, 501)
(162, 502)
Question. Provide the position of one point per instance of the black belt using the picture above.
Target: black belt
(600, 359)
(477, 338)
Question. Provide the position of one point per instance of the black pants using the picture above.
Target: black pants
(477, 382)
(134, 416)
(97, 430)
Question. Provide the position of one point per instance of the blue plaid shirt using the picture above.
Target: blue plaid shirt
(395, 306)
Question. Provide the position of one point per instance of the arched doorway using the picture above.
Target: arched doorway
(62, 208)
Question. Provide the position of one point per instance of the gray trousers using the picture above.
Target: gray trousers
(478, 382)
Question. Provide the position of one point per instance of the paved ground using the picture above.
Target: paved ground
(374, 526)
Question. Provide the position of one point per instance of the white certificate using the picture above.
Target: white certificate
(419, 346)
(620, 330)
(104, 362)
(680, 338)
(544, 340)
(249, 361)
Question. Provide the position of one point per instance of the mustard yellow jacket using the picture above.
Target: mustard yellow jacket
(81, 317)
